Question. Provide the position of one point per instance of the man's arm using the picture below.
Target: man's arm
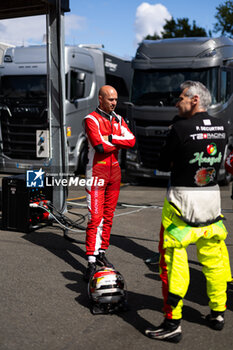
(167, 153)
(126, 139)
(99, 142)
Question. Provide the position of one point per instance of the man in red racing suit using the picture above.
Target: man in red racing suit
(106, 132)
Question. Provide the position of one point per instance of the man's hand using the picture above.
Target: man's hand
(105, 137)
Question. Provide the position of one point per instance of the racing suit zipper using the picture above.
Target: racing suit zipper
(111, 157)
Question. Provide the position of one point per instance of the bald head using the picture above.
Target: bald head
(106, 89)
(107, 98)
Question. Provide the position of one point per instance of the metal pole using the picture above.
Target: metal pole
(56, 101)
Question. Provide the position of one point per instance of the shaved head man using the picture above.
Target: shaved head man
(106, 133)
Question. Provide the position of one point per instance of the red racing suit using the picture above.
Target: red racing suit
(229, 163)
(103, 174)
(229, 167)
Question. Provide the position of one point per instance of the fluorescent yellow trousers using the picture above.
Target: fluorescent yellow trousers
(175, 236)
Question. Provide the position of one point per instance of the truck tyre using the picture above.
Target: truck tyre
(82, 161)
(226, 180)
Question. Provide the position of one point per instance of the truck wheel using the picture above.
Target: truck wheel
(82, 162)
(226, 180)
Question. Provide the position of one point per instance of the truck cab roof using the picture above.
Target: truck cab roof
(183, 52)
(180, 47)
(32, 59)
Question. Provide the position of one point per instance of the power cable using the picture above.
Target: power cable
(58, 221)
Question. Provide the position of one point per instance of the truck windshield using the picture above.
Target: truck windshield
(24, 86)
(162, 87)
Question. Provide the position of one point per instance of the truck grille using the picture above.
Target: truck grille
(18, 128)
(150, 140)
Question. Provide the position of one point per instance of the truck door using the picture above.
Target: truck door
(81, 99)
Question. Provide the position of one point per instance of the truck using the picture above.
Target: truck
(24, 117)
(3, 47)
(159, 67)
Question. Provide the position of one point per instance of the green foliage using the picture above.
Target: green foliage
(152, 37)
(224, 17)
(181, 27)
(178, 29)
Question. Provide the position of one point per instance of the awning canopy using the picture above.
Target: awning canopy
(23, 8)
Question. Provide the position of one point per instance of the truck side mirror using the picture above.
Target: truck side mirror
(77, 86)
(80, 85)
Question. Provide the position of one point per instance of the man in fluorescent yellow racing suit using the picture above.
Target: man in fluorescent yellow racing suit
(192, 211)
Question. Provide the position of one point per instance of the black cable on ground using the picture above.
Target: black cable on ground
(68, 224)
(66, 221)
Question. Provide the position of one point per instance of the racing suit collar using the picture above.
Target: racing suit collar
(106, 115)
(103, 114)
(202, 114)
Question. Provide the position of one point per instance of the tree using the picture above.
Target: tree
(178, 29)
(224, 17)
(152, 37)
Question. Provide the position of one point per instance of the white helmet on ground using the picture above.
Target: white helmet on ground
(106, 287)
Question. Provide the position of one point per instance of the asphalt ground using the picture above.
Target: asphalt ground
(44, 302)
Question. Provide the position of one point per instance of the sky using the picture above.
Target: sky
(117, 24)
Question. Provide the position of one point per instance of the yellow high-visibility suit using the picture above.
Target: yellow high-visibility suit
(175, 236)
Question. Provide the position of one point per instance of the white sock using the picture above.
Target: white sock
(91, 258)
(101, 251)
